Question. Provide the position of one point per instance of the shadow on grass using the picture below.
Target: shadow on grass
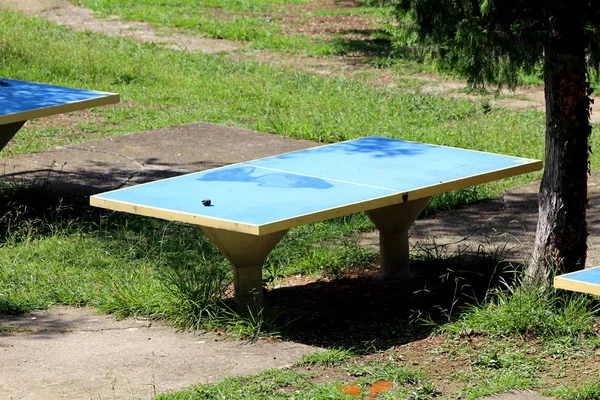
(367, 314)
(40, 207)
(354, 311)
(54, 197)
(368, 42)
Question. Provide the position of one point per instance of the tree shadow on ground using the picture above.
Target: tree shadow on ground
(46, 198)
(376, 46)
(40, 207)
(368, 42)
(367, 314)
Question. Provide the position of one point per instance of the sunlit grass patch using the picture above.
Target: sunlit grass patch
(525, 310)
(589, 391)
(329, 358)
(386, 381)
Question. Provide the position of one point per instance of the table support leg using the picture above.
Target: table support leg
(247, 253)
(393, 223)
(8, 131)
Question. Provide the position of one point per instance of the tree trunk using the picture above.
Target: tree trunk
(561, 237)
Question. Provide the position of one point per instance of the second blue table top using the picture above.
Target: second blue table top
(22, 100)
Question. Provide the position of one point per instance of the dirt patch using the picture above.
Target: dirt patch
(82, 19)
(380, 320)
(350, 26)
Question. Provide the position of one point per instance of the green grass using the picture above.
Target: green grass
(161, 88)
(189, 7)
(478, 367)
(55, 253)
(299, 384)
(494, 373)
(10, 329)
(328, 358)
(489, 365)
(589, 391)
(523, 310)
(140, 266)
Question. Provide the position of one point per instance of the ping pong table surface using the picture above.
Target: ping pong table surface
(275, 193)
(584, 281)
(22, 100)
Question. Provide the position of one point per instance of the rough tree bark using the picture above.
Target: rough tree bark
(561, 237)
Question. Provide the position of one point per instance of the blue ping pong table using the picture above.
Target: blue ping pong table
(21, 101)
(254, 203)
(584, 281)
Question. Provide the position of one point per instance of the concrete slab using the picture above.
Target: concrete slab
(101, 165)
(75, 353)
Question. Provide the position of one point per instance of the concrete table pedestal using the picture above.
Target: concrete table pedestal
(247, 253)
(393, 223)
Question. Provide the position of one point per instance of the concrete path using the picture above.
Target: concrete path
(75, 353)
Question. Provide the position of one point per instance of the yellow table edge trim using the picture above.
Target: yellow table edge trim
(162, 213)
(108, 98)
(400, 197)
(563, 282)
